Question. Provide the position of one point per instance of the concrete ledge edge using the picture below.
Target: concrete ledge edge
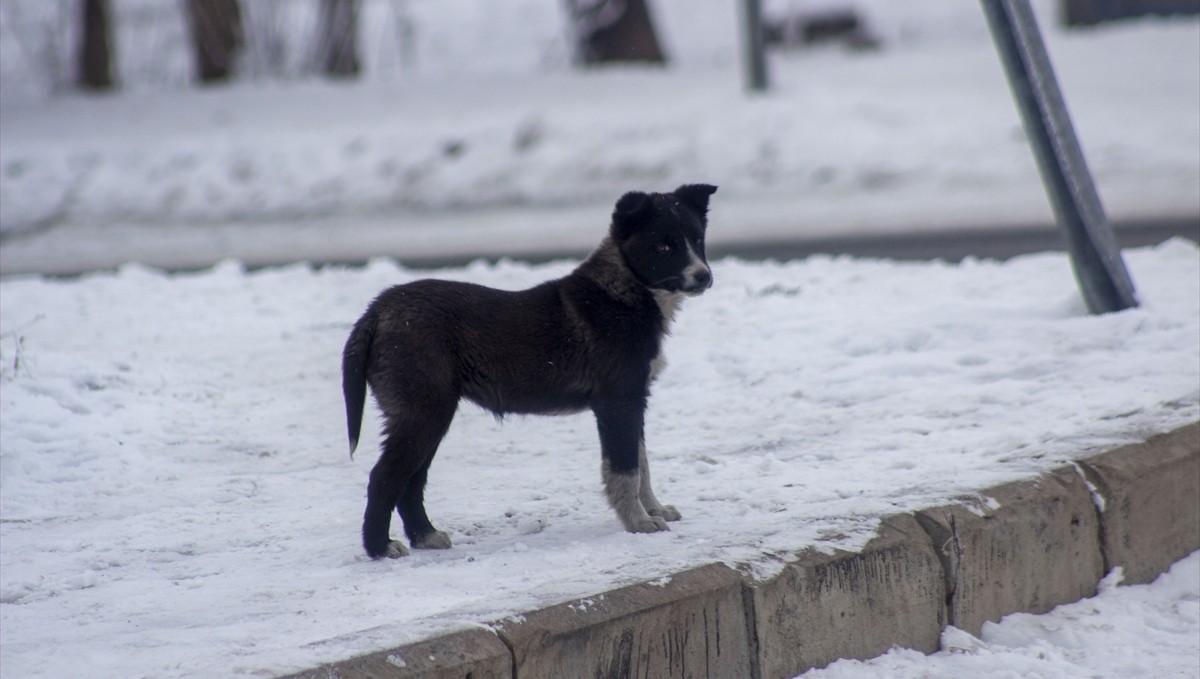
(1136, 506)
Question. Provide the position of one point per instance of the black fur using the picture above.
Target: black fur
(589, 340)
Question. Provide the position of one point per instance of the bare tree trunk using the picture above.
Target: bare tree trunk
(216, 27)
(337, 39)
(614, 31)
(95, 54)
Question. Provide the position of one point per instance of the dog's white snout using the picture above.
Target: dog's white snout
(700, 279)
(697, 277)
(696, 280)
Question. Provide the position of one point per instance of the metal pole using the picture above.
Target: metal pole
(1096, 259)
(753, 46)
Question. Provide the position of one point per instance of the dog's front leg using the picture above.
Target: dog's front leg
(649, 501)
(620, 423)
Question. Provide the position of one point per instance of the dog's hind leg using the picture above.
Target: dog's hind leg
(388, 480)
(420, 531)
(398, 479)
(649, 501)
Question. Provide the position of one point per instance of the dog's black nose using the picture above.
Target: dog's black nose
(703, 279)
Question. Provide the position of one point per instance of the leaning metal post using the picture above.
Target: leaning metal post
(753, 46)
(1101, 272)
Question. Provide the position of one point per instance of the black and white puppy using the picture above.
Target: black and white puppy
(591, 340)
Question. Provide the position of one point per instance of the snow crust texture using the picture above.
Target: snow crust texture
(177, 499)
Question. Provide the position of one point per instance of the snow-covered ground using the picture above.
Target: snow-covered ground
(177, 499)
(490, 142)
(1137, 632)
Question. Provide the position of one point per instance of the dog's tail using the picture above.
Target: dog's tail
(354, 374)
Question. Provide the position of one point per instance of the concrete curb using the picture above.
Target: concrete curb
(1150, 502)
(851, 605)
(691, 624)
(1024, 546)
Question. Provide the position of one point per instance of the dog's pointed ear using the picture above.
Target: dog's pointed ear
(630, 212)
(696, 196)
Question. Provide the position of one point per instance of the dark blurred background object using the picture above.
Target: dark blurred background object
(844, 25)
(95, 53)
(608, 31)
(217, 37)
(1090, 12)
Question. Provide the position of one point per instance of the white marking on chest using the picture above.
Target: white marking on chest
(668, 304)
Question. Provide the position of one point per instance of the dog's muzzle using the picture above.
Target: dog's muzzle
(696, 282)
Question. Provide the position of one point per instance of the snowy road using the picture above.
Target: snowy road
(483, 154)
(79, 250)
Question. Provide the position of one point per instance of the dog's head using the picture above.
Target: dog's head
(661, 237)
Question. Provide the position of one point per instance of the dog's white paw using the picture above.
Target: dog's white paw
(650, 524)
(395, 550)
(665, 512)
(435, 540)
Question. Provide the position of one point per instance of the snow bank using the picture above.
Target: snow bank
(177, 499)
(1122, 633)
(924, 130)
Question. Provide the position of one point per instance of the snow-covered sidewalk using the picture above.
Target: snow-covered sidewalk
(177, 499)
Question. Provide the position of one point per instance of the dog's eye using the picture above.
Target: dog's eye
(663, 248)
